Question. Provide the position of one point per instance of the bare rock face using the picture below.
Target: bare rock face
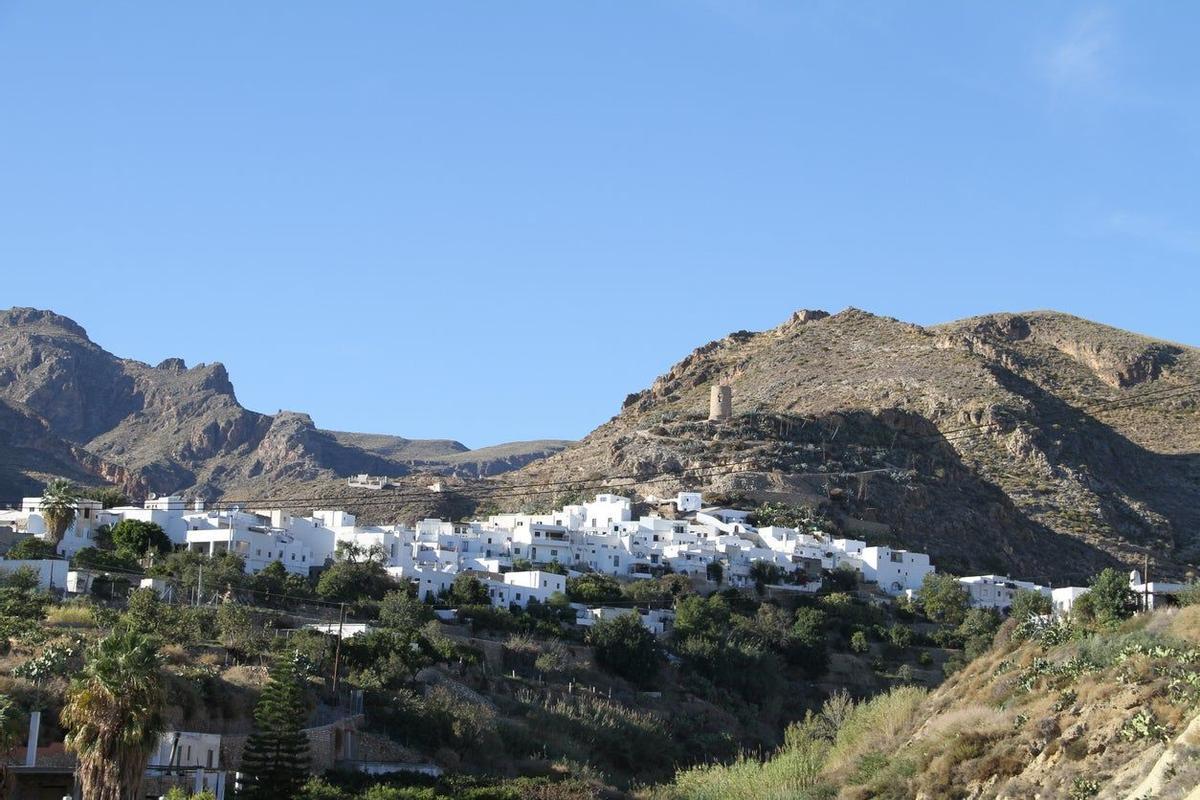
(808, 315)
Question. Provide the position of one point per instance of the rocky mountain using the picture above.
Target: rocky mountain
(1037, 444)
(70, 408)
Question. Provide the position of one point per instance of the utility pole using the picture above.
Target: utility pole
(199, 583)
(337, 653)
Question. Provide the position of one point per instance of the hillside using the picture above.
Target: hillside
(983, 441)
(1073, 714)
(452, 457)
(70, 408)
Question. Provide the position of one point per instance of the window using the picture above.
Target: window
(210, 759)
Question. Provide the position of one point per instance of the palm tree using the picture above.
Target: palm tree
(58, 508)
(114, 716)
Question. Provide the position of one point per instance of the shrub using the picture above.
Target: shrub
(1109, 600)
(943, 598)
(593, 588)
(134, 538)
(32, 548)
(624, 646)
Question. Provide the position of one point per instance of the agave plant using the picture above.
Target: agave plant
(58, 508)
(114, 716)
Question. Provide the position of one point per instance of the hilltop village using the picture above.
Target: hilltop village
(524, 558)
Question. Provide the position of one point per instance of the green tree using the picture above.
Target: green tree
(943, 598)
(703, 617)
(715, 572)
(808, 645)
(109, 496)
(858, 642)
(624, 647)
(1109, 600)
(900, 635)
(468, 591)
(32, 548)
(401, 611)
(58, 508)
(114, 716)
(593, 589)
(666, 589)
(277, 587)
(11, 723)
(135, 538)
(237, 630)
(275, 760)
(145, 611)
(1028, 604)
(215, 574)
(97, 559)
(21, 600)
(763, 573)
(978, 630)
(354, 579)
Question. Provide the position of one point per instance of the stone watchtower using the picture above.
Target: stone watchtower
(720, 403)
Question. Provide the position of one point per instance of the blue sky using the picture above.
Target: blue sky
(492, 221)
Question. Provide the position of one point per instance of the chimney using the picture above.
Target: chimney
(35, 723)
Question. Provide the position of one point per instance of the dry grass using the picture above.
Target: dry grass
(70, 615)
(1185, 623)
(967, 719)
(875, 725)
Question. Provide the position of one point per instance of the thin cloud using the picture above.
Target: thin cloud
(1154, 231)
(1081, 58)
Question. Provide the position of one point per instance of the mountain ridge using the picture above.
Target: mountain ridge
(72, 408)
(1037, 443)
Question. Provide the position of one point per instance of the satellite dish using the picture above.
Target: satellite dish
(153, 496)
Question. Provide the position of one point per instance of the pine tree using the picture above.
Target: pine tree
(275, 761)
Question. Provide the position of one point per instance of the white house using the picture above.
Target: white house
(193, 757)
(1151, 595)
(79, 534)
(998, 591)
(1063, 598)
(533, 585)
(894, 570)
(658, 621)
